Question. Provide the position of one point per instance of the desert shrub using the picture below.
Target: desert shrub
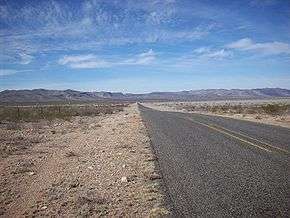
(65, 112)
(258, 117)
(189, 107)
(251, 110)
(214, 109)
(275, 109)
(237, 109)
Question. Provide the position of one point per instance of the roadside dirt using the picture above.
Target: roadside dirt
(283, 121)
(89, 166)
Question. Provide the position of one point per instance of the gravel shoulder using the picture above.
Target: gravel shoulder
(89, 166)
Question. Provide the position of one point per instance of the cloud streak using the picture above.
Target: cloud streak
(91, 61)
(25, 58)
(55, 26)
(8, 72)
(214, 54)
(267, 48)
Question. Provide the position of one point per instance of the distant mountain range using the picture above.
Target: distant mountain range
(43, 95)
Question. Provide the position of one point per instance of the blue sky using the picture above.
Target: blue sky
(143, 46)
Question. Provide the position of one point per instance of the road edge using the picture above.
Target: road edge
(168, 203)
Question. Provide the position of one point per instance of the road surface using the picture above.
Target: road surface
(221, 167)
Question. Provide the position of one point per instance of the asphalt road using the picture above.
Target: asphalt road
(221, 167)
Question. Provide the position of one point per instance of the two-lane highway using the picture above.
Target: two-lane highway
(221, 167)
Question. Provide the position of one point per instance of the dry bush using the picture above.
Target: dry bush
(275, 109)
(188, 107)
(258, 117)
(269, 109)
(65, 112)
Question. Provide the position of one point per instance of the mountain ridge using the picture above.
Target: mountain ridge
(46, 95)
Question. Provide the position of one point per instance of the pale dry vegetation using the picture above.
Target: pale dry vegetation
(274, 109)
(50, 112)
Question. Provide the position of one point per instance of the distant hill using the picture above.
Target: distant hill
(43, 95)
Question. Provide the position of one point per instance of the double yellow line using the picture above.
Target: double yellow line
(235, 135)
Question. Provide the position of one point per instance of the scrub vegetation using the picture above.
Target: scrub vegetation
(50, 112)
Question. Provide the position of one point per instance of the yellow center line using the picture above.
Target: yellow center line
(233, 136)
(246, 136)
(220, 129)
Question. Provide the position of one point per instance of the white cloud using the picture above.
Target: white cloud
(83, 61)
(268, 48)
(145, 58)
(75, 59)
(141, 59)
(90, 64)
(219, 54)
(91, 61)
(201, 50)
(5, 72)
(53, 26)
(208, 53)
(25, 58)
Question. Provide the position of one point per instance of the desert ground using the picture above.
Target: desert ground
(269, 111)
(89, 164)
(98, 159)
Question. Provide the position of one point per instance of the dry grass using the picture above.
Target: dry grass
(65, 112)
(274, 109)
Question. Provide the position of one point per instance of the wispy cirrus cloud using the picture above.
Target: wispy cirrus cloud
(140, 59)
(83, 61)
(25, 58)
(267, 48)
(7, 72)
(91, 61)
(216, 54)
(55, 26)
(108, 35)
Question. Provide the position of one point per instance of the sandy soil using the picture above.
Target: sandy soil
(283, 121)
(89, 166)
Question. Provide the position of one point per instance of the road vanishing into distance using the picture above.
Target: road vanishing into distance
(221, 167)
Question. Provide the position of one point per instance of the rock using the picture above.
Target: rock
(90, 167)
(74, 184)
(31, 173)
(124, 179)
(154, 176)
(43, 208)
(132, 178)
